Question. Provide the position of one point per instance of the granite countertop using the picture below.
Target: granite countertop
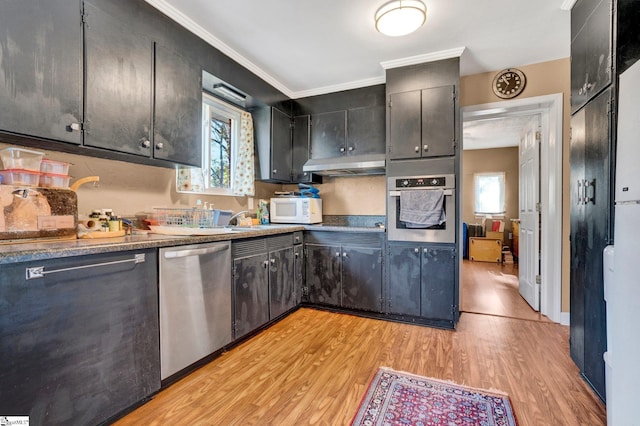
(40, 250)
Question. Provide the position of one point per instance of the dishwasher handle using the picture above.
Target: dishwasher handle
(195, 252)
(39, 272)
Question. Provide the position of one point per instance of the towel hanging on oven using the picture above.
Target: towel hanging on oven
(422, 208)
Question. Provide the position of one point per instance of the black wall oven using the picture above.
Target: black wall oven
(399, 230)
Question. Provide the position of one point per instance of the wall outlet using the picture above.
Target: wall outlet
(510, 236)
(250, 203)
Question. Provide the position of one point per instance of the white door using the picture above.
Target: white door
(529, 246)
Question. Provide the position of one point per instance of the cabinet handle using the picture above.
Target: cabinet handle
(337, 254)
(425, 250)
(272, 261)
(416, 250)
(146, 144)
(265, 264)
(425, 148)
(591, 187)
(159, 145)
(344, 254)
(342, 149)
(296, 255)
(39, 272)
(417, 149)
(274, 171)
(75, 127)
(350, 148)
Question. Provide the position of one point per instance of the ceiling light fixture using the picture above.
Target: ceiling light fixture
(400, 17)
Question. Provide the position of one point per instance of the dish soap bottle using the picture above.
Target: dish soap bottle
(263, 212)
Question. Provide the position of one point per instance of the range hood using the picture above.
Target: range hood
(354, 165)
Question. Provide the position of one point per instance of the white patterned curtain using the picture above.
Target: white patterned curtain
(243, 169)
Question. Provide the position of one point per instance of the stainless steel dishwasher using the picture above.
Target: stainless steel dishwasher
(195, 303)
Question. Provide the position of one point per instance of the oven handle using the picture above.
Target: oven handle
(397, 193)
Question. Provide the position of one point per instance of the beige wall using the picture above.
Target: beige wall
(132, 188)
(485, 161)
(353, 195)
(542, 79)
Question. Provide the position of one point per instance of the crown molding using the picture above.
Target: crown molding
(420, 59)
(199, 31)
(339, 87)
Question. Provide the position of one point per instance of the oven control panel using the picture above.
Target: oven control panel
(420, 182)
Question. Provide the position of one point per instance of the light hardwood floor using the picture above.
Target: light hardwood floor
(492, 288)
(313, 368)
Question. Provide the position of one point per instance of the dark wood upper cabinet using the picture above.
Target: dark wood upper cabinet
(422, 123)
(301, 140)
(41, 69)
(141, 97)
(365, 130)
(273, 143)
(591, 50)
(177, 128)
(118, 85)
(328, 134)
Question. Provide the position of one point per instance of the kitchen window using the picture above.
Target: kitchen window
(227, 152)
(489, 194)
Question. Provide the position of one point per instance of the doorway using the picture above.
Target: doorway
(549, 110)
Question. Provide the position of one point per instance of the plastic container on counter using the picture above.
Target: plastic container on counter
(21, 159)
(50, 180)
(54, 167)
(20, 177)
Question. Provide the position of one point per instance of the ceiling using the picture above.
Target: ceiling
(499, 132)
(305, 47)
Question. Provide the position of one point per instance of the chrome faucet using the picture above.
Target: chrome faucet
(235, 216)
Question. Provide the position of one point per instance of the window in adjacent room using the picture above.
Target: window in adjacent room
(489, 193)
(227, 152)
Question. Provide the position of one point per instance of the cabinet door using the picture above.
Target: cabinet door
(405, 128)
(281, 282)
(251, 293)
(578, 238)
(118, 78)
(438, 283)
(328, 134)
(403, 280)
(591, 50)
(80, 344)
(362, 278)
(300, 147)
(598, 216)
(438, 121)
(41, 68)
(323, 264)
(298, 272)
(281, 155)
(177, 129)
(366, 130)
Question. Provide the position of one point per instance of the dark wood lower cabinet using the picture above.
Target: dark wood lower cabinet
(422, 281)
(79, 344)
(345, 270)
(263, 281)
(251, 293)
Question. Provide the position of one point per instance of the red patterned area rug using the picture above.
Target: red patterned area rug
(398, 398)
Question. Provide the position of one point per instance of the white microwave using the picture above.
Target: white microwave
(295, 210)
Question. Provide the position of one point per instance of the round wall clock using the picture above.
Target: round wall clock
(509, 83)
